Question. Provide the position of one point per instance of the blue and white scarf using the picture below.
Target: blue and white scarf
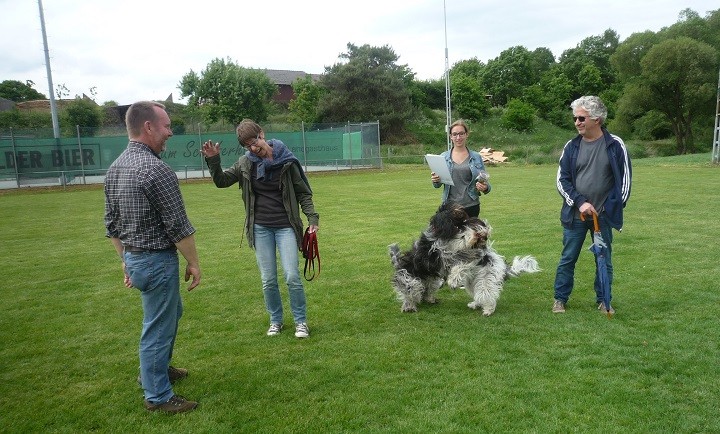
(281, 154)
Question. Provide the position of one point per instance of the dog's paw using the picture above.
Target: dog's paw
(488, 312)
(455, 282)
(408, 307)
(473, 305)
(431, 300)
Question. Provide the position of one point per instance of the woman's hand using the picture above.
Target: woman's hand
(481, 187)
(210, 149)
(435, 178)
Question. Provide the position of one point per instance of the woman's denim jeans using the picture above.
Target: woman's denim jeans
(267, 240)
(573, 238)
(156, 275)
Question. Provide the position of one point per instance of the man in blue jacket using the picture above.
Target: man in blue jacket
(594, 176)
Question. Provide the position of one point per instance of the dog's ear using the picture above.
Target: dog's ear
(443, 225)
(444, 207)
(459, 215)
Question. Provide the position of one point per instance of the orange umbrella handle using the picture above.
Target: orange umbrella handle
(595, 221)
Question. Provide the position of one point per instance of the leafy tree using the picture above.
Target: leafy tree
(470, 67)
(690, 24)
(468, 98)
(542, 60)
(17, 91)
(507, 76)
(626, 58)
(370, 85)
(225, 90)
(303, 108)
(61, 91)
(677, 80)
(428, 94)
(551, 96)
(589, 80)
(596, 51)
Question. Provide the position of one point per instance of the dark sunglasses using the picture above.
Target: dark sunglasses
(579, 118)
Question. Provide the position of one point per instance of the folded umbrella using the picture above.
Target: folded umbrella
(599, 248)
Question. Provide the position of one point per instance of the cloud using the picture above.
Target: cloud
(140, 49)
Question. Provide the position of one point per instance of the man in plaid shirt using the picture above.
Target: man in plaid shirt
(147, 224)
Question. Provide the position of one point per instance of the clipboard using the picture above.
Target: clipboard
(439, 166)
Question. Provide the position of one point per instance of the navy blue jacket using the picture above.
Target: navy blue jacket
(620, 193)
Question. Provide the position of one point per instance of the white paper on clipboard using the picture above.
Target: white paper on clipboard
(439, 166)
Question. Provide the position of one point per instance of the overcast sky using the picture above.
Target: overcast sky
(131, 50)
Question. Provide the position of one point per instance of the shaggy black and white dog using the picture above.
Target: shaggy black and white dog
(456, 248)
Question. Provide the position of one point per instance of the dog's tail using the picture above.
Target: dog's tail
(524, 264)
(394, 251)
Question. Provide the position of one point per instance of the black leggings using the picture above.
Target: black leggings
(473, 211)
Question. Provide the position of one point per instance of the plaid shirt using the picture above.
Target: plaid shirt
(143, 204)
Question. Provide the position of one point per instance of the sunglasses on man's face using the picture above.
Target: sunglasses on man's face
(579, 118)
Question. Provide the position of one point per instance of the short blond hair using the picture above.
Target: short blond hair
(139, 113)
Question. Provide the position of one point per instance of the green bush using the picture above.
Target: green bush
(652, 126)
(16, 119)
(519, 116)
(81, 112)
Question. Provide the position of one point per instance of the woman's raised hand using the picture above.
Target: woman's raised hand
(210, 149)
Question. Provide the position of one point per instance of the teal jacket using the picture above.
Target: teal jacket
(296, 193)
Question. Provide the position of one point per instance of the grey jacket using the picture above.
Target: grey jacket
(296, 193)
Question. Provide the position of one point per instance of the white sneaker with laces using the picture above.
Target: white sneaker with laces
(301, 330)
(274, 329)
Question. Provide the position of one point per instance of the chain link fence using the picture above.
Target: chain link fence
(35, 158)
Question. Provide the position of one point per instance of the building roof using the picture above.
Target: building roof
(279, 76)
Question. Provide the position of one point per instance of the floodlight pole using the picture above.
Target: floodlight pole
(716, 131)
(53, 107)
(448, 108)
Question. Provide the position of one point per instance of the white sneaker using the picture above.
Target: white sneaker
(274, 329)
(301, 330)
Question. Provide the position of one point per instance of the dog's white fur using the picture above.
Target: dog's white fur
(483, 279)
(463, 256)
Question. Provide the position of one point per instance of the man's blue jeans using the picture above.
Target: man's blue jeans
(156, 275)
(267, 240)
(573, 238)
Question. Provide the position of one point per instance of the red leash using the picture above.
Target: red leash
(310, 251)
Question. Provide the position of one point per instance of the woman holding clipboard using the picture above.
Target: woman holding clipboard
(467, 172)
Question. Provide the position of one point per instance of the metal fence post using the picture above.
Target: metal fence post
(302, 130)
(202, 166)
(14, 150)
(377, 123)
(349, 136)
(82, 157)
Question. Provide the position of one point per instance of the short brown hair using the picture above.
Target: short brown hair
(139, 113)
(246, 130)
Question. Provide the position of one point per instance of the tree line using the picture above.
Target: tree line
(657, 85)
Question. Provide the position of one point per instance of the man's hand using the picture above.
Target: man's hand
(587, 209)
(126, 279)
(193, 271)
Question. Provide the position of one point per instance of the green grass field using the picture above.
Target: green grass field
(69, 330)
